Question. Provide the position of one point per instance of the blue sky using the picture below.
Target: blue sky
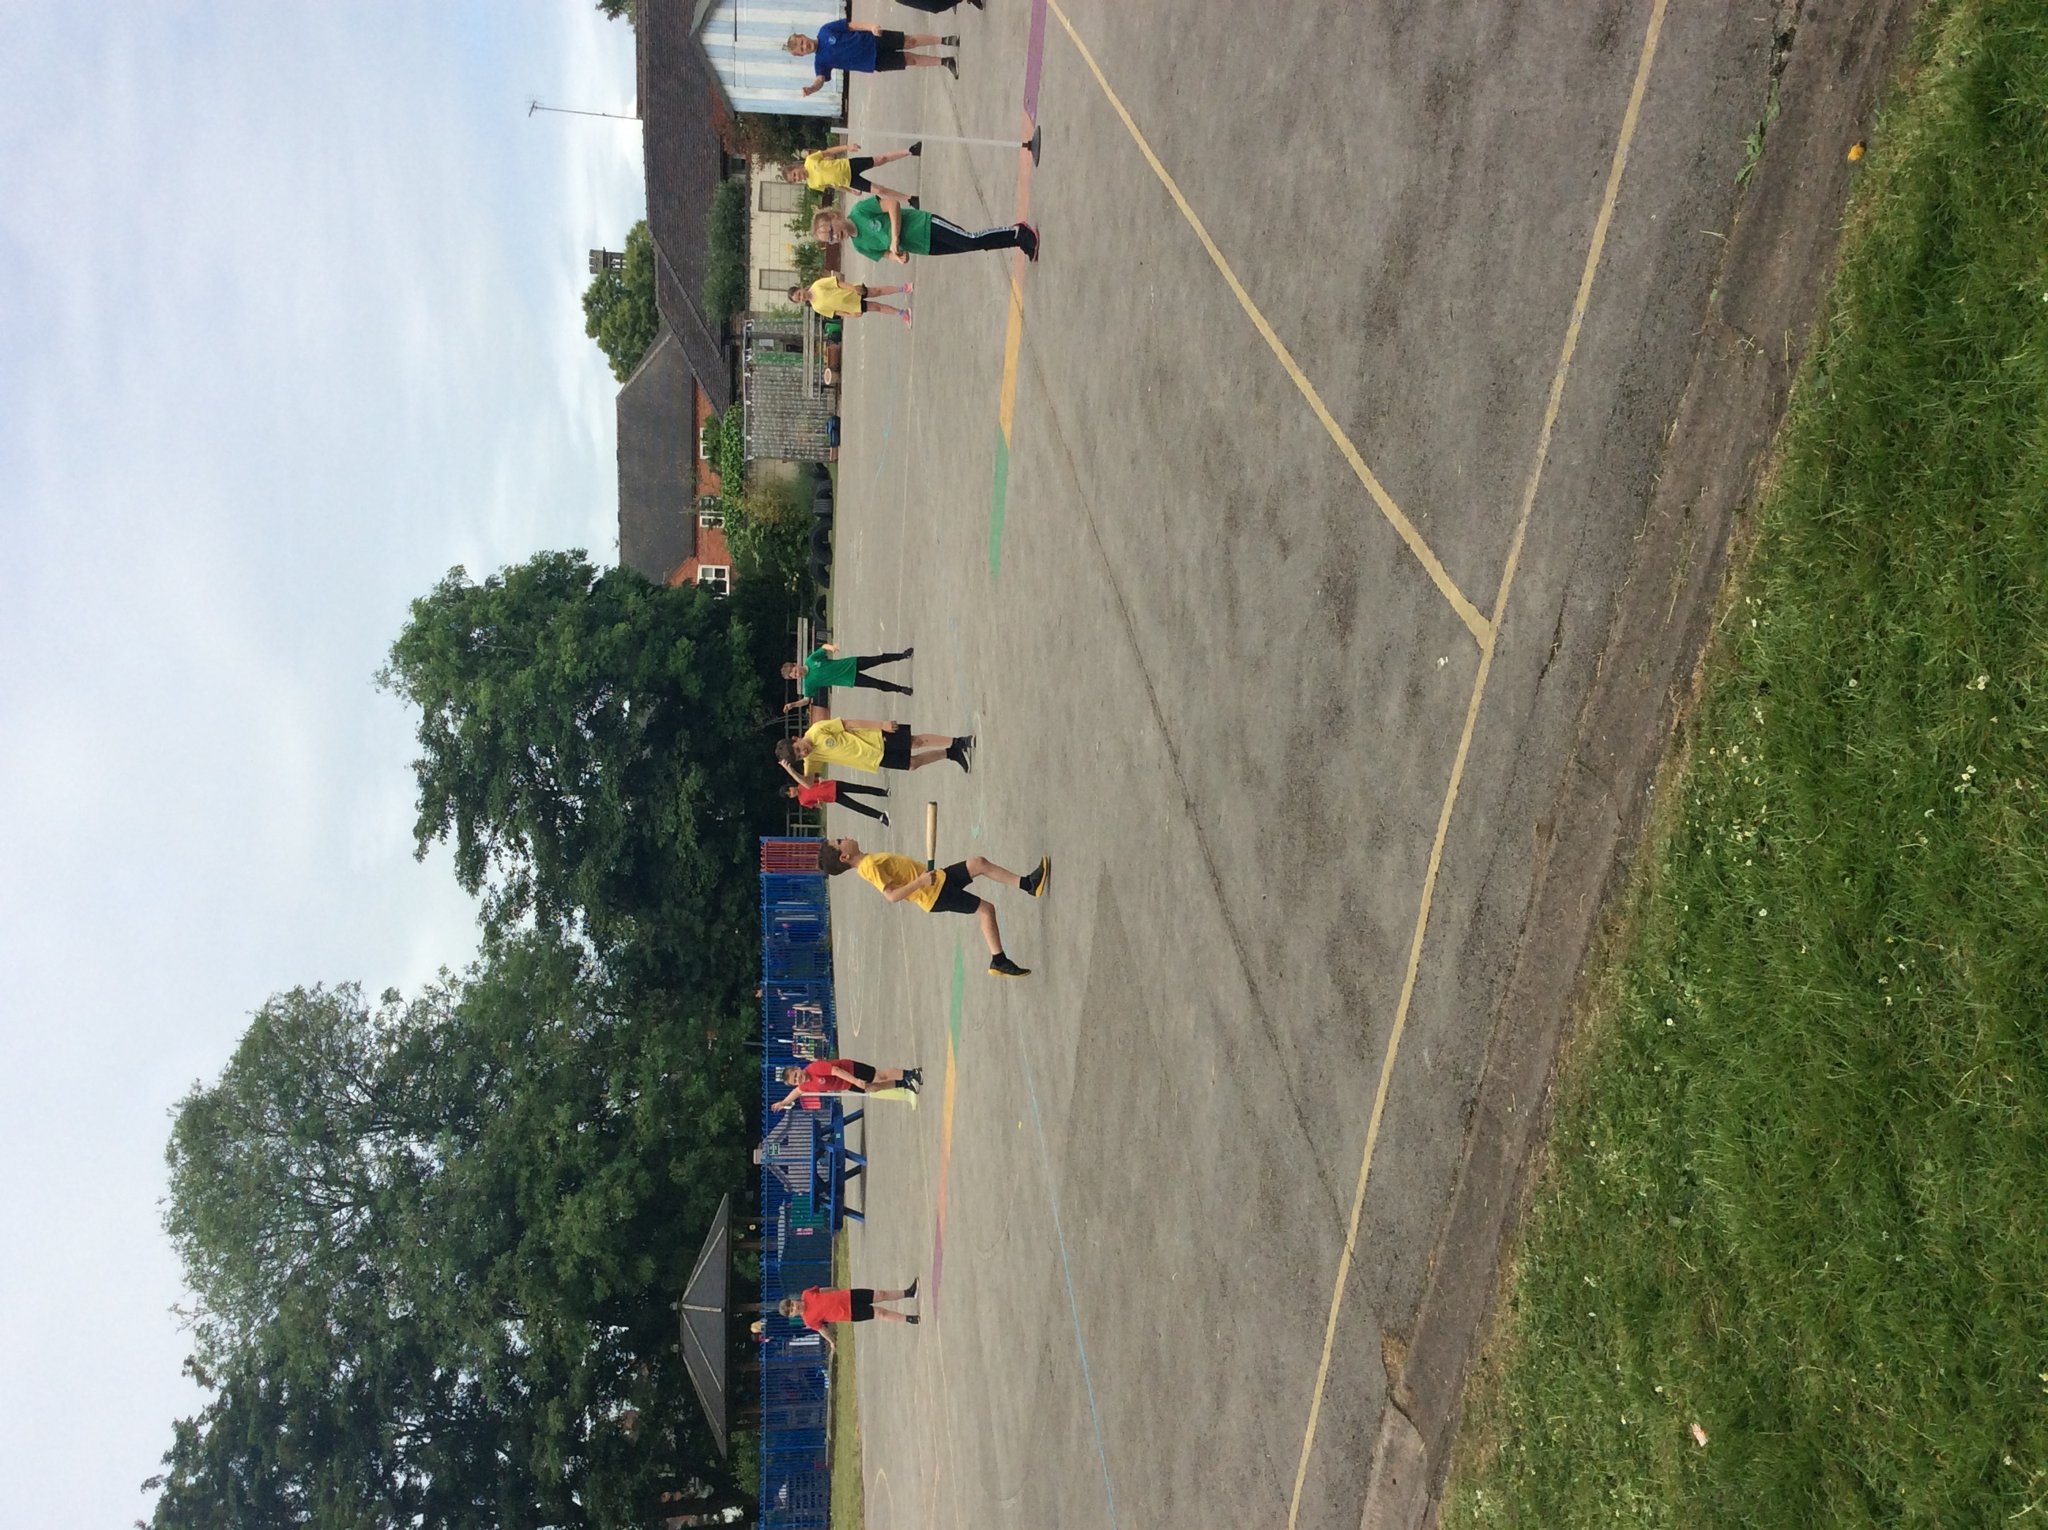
(289, 324)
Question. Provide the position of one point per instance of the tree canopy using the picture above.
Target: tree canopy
(435, 1245)
(618, 306)
(433, 1242)
(591, 750)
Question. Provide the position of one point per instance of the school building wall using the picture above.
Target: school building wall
(771, 243)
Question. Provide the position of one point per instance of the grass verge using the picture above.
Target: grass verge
(849, 1508)
(1787, 1263)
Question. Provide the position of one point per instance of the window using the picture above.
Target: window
(715, 577)
(777, 282)
(704, 439)
(780, 196)
(710, 512)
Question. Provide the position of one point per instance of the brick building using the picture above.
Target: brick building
(670, 528)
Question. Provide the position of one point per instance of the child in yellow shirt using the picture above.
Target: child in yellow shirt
(842, 166)
(898, 879)
(835, 299)
(860, 743)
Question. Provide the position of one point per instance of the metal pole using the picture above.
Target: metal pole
(1031, 144)
(534, 105)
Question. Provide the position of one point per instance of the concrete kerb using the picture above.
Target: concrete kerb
(1772, 278)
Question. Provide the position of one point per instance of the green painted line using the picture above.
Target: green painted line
(1002, 500)
(959, 995)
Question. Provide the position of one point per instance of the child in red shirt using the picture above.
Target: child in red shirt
(832, 1075)
(819, 1306)
(817, 793)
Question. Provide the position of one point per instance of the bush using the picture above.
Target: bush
(725, 274)
(769, 135)
(729, 456)
(764, 522)
(768, 533)
(807, 206)
(810, 261)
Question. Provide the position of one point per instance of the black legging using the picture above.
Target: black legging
(929, 7)
(863, 679)
(860, 807)
(951, 239)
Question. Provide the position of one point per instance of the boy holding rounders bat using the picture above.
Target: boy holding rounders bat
(936, 891)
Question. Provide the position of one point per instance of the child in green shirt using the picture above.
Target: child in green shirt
(886, 227)
(827, 666)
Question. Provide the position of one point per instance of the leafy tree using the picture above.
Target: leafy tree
(471, 1350)
(618, 306)
(591, 750)
(615, 9)
(279, 1170)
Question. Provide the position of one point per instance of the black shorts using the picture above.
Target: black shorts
(859, 165)
(954, 898)
(863, 1303)
(896, 749)
(888, 52)
(863, 1071)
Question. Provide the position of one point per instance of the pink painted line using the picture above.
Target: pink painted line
(1034, 58)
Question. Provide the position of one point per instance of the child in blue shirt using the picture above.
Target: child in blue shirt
(861, 47)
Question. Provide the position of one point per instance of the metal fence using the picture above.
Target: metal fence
(797, 1022)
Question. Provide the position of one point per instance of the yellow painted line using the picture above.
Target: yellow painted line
(1439, 575)
(1571, 333)
(1013, 341)
(1629, 121)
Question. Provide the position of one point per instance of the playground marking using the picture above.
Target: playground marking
(1468, 613)
(946, 1119)
(1617, 165)
(1013, 335)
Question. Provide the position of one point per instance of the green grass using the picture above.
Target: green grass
(849, 1509)
(1797, 1186)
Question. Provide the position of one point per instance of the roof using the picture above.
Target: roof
(657, 416)
(680, 99)
(703, 1312)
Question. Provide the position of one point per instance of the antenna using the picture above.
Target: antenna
(535, 104)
